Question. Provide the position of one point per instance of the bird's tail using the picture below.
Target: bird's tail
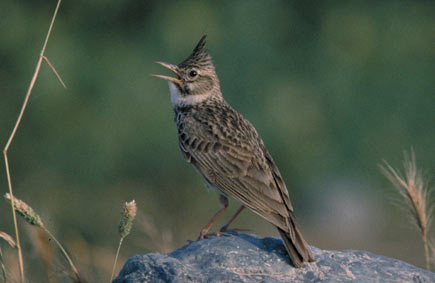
(297, 247)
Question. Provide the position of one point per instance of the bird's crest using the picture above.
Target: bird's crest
(199, 56)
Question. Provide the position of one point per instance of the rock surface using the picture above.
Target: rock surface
(248, 258)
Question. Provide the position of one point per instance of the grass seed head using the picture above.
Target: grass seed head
(128, 213)
(25, 211)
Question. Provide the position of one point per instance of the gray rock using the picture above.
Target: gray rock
(248, 258)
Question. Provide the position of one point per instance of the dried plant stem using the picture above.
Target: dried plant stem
(2, 266)
(426, 251)
(8, 239)
(65, 254)
(11, 137)
(54, 71)
(116, 259)
(31, 217)
(14, 216)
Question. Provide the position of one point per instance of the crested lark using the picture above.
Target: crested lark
(226, 150)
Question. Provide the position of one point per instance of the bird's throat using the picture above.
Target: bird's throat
(179, 99)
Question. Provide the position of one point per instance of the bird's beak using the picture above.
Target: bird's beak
(171, 67)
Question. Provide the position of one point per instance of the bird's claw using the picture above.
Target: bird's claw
(205, 234)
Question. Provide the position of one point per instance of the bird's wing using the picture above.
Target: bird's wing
(239, 166)
(278, 180)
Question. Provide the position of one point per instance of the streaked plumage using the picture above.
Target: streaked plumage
(227, 151)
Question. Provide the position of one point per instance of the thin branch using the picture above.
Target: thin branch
(11, 137)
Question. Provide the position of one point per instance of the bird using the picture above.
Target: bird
(227, 151)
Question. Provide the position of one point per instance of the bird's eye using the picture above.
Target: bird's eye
(193, 73)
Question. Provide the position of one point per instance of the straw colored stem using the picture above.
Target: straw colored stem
(116, 259)
(65, 254)
(54, 71)
(32, 82)
(11, 137)
(14, 216)
(426, 251)
(2, 266)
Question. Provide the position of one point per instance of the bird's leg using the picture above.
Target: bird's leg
(223, 200)
(225, 227)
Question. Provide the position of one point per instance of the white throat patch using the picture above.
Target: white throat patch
(178, 100)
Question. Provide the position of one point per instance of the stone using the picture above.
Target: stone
(249, 258)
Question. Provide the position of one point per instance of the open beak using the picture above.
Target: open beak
(171, 67)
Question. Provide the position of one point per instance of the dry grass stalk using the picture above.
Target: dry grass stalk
(8, 238)
(128, 213)
(31, 217)
(54, 71)
(415, 193)
(2, 266)
(41, 243)
(14, 130)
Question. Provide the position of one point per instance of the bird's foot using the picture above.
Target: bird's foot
(213, 234)
(205, 234)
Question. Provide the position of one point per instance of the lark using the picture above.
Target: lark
(227, 152)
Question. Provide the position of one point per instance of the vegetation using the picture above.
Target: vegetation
(332, 89)
(416, 198)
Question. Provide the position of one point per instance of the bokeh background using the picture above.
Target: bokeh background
(333, 88)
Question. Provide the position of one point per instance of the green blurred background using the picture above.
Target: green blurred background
(333, 88)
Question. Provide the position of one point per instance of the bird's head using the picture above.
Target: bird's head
(195, 80)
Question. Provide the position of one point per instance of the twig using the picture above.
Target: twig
(11, 137)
